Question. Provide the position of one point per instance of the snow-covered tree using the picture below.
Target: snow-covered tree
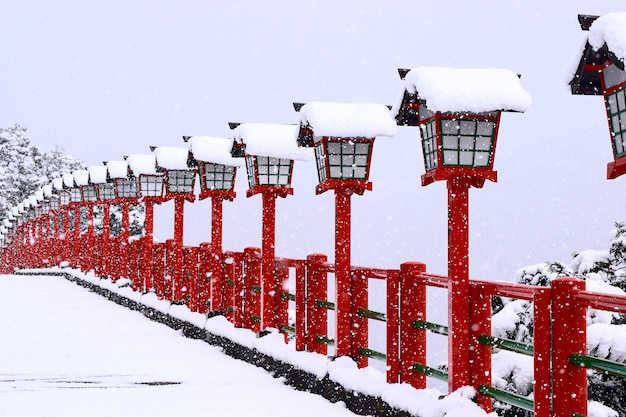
(24, 168)
(603, 271)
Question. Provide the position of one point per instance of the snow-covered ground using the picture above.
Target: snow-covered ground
(66, 351)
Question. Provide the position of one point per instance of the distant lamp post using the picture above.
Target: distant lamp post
(601, 71)
(269, 151)
(126, 193)
(458, 111)
(343, 137)
(89, 197)
(151, 192)
(179, 185)
(217, 170)
(105, 194)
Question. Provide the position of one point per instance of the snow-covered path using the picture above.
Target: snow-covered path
(67, 352)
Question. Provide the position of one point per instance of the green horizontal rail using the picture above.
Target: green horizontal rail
(614, 368)
(433, 327)
(325, 340)
(255, 319)
(372, 354)
(430, 371)
(230, 309)
(230, 282)
(507, 397)
(287, 329)
(507, 344)
(255, 289)
(325, 304)
(288, 296)
(371, 314)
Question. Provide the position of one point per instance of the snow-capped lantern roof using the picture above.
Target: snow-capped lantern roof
(347, 119)
(68, 180)
(57, 183)
(273, 140)
(171, 157)
(15, 211)
(39, 196)
(32, 201)
(599, 70)
(47, 190)
(463, 90)
(213, 149)
(81, 177)
(117, 169)
(604, 44)
(458, 111)
(97, 174)
(142, 164)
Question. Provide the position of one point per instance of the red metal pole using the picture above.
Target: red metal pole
(177, 267)
(315, 288)
(124, 236)
(543, 349)
(148, 240)
(412, 307)
(480, 362)
(458, 287)
(77, 239)
(106, 234)
(215, 261)
(569, 334)
(89, 258)
(267, 264)
(343, 292)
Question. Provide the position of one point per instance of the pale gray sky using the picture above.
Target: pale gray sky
(109, 78)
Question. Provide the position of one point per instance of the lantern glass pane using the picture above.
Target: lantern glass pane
(45, 207)
(64, 197)
(151, 185)
(75, 195)
(320, 160)
(348, 160)
(274, 171)
(54, 202)
(429, 147)
(616, 109)
(613, 76)
(89, 193)
(126, 188)
(217, 176)
(471, 145)
(106, 191)
(251, 170)
(180, 181)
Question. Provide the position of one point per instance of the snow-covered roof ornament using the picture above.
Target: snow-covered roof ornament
(171, 157)
(47, 190)
(603, 45)
(142, 164)
(57, 184)
(213, 149)
(462, 90)
(97, 174)
(68, 180)
(265, 139)
(81, 177)
(117, 169)
(363, 120)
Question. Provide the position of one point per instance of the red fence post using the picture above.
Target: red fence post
(281, 315)
(205, 277)
(316, 288)
(158, 269)
(393, 326)
(542, 352)
(412, 307)
(301, 300)
(359, 334)
(190, 277)
(480, 354)
(569, 332)
(169, 269)
(252, 289)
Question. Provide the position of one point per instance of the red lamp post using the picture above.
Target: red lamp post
(217, 170)
(601, 71)
(269, 151)
(126, 193)
(343, 137)
(105, 194)
(150, 185)
(88, 198)
(458, 111)
(179, 185)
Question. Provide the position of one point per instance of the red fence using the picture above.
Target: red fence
(232, 285)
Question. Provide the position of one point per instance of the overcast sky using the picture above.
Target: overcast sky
(109, 78)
